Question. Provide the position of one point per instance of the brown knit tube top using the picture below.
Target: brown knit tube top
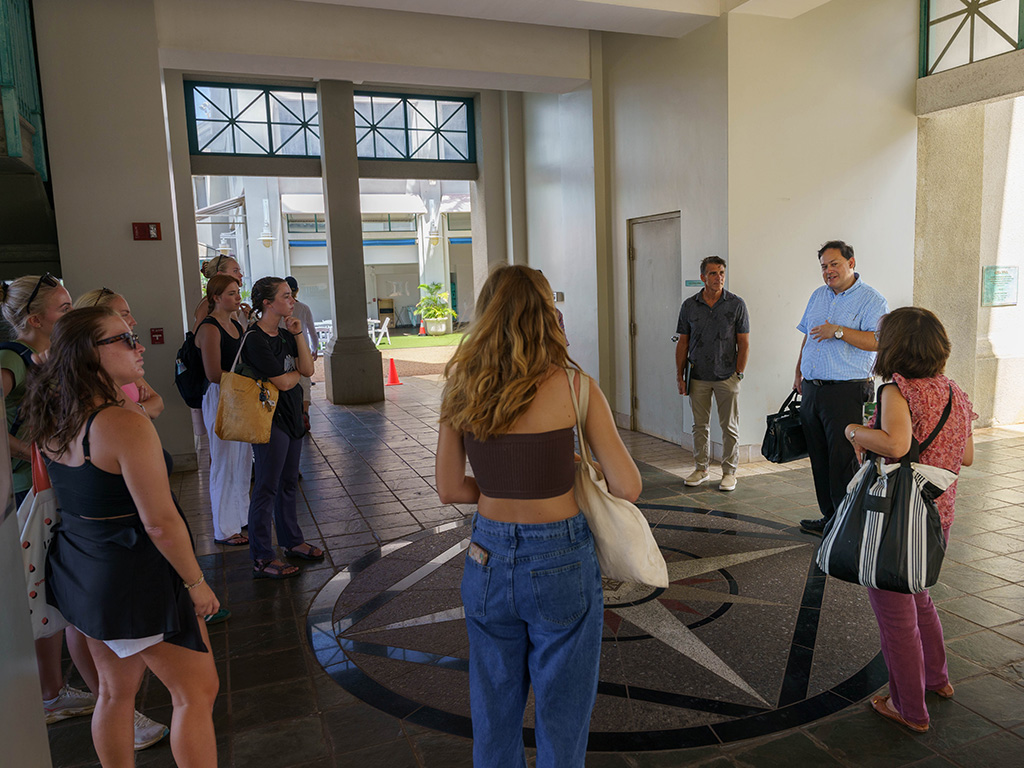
(533, 465)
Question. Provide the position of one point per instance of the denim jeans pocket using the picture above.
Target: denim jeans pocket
(559, 593)
(475, 578)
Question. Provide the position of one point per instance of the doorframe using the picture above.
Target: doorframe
(630, 283)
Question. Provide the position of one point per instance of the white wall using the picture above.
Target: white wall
(668, 134)
(109, 165)
(560, 210)
(822, 145)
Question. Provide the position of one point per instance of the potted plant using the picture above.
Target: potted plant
(435, 309)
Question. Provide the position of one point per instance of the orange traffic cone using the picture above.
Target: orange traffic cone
(423, 327)
(392, 376)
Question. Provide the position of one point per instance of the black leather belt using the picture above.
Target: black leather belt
(826, 383)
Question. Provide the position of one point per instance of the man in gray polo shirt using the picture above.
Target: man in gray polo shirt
(714, 335)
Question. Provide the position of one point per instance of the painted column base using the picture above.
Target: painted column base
(352, 371)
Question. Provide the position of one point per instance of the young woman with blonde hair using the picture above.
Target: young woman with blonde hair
(531, 585)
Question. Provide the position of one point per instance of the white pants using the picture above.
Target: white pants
(230, 472)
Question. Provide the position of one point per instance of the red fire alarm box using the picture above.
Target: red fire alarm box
(156, 335)
(144, 230)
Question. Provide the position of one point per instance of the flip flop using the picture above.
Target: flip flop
(222, 614)
(313, 553)
(237, 540)
(945, 691)
(881, 705)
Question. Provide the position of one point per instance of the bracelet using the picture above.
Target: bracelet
(196, 583)
(853, 433)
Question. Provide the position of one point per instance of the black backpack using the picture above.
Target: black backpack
(189, 375)
(25, 354)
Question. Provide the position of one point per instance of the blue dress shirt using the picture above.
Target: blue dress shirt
(859, 307)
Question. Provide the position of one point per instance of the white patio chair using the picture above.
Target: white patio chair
(383, 332)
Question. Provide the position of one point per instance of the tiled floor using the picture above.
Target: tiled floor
(367, 474)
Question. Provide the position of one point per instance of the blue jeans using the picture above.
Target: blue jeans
(534, 612)
(274, 494)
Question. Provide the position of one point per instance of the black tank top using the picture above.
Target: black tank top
(228, 345)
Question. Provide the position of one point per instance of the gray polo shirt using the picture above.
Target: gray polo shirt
(712, 332)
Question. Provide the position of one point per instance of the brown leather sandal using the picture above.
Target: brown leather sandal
(945, 691)
(881, 705)
(268, 569)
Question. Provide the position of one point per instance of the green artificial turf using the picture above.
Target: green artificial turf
(411, 342)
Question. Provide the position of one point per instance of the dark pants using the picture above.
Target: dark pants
(824, 413)
(274, 494)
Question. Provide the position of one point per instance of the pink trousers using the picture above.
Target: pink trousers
(912, 647)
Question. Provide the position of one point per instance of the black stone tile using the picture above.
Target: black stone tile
(987, 648)
(357, 726)
(266, 668)
(795, 748)
(952, 724)
(980, 611)
(999, 701)
(394, 754)
(267, 704)
(288, 742)
(1002, 750)
(272, 637)
(865, 738)
(438, 750)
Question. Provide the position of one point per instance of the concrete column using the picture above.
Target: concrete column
(513, 152)
(950, 165)
(487, 193)
(352, 364)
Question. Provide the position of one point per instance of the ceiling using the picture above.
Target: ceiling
(662, 18)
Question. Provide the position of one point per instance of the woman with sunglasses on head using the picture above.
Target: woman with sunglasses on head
(139, 391)
(531, 584)
(31, 305)
(217, 337)
(281, 355)
(121, 567)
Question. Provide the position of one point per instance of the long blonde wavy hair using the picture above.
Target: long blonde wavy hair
(507, 352)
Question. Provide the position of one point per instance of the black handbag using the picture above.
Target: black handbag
(887, 533)
(784, 439)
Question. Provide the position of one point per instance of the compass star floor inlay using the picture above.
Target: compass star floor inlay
(748, 638)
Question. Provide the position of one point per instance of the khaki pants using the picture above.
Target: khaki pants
(727, 396)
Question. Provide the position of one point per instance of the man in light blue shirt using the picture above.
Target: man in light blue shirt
(834, 372)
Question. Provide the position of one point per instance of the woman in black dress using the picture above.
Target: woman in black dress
(121, 567)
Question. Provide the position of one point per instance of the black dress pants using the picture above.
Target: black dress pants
(825, 410)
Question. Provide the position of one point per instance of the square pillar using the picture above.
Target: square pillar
(352, 364)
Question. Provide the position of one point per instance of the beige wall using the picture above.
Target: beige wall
(560, 210)
(667, 119)
(822, 145)
(109, 164)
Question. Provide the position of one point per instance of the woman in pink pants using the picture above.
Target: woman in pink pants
(912, 353)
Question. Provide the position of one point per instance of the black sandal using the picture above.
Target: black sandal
(313, 553)
(237, 540)
(268, 569)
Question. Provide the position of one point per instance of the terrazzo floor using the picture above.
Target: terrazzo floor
(749, 658)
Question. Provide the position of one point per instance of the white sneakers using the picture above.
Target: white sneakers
(148, 732)
(70, 702)
(700, 476)
(696, 477)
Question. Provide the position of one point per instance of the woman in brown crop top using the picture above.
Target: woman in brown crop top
(531, 585)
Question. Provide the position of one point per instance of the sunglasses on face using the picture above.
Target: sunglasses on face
(129, 338)
(46, 279)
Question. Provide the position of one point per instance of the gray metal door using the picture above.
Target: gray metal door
(655, 272)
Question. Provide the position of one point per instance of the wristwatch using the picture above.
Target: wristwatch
(739, 375)
(839, 332)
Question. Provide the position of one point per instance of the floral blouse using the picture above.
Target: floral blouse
(927, 399)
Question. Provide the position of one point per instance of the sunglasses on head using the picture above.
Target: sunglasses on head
(99, 297)
(46, 279)
(129, 338)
